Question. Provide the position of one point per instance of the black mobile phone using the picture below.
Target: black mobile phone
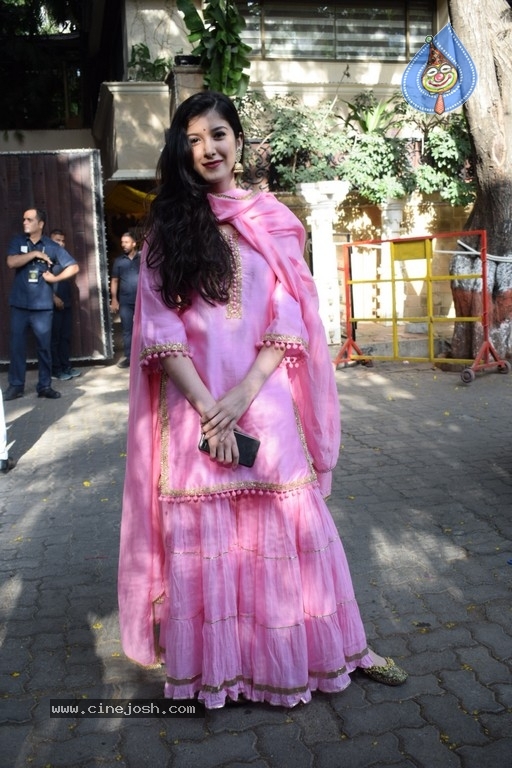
(248, 447)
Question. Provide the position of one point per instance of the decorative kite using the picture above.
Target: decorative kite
(441, 76)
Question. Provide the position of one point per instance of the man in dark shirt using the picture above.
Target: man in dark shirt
(34, 256)
(123, 290)
(62, 325)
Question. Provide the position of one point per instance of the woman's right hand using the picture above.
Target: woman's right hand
(220, 420)
(221, 439)
(224, 451)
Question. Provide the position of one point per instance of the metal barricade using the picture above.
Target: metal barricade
(378, 275)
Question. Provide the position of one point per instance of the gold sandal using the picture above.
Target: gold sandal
(390, 674)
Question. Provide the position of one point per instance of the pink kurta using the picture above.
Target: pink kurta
(242, 569)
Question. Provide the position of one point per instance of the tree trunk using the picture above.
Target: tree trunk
(485, 29)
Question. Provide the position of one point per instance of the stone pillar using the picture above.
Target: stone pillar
(323, 197)
(183, 81)
(391, 221)
(129, 128)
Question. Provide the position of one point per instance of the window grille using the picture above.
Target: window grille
(383, 30)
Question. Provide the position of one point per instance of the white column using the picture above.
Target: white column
(391, 220)
(323, 197)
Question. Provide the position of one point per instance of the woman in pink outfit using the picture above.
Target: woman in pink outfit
(233, 576)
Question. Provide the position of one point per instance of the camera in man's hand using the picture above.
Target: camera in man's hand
(48, 265)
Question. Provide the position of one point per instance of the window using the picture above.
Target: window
(384, 30)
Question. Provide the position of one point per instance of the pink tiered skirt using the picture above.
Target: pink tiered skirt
(259, 600)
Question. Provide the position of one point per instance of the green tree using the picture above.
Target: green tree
(485, 29)
(31, 63)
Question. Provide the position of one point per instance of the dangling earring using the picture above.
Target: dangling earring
(238, 169)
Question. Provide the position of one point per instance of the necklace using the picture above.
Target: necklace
(230, 197)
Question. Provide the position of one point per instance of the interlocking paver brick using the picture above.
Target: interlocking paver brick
(496, 753)
(427, 746)
(457, 725)
(421, 497)
(362, 752)
(471, 694)
(377, 719)
(283, 747)
(144, 746)
(215, 751)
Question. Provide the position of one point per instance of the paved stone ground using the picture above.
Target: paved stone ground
(422, 499)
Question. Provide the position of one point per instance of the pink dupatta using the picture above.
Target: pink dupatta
(141, 555)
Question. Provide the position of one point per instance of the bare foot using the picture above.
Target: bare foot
(377, 661)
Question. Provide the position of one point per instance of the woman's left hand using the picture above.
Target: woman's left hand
(223, 417)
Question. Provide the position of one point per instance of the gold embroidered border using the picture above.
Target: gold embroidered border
(329, 615)
(156, 633)
(250, 194)
(234, 680)
(225, 684)
(263, 687)
(303, 438)
(255, 553)
(234, 306)
(278, 338)
(183, 680)
(211, 622)
(358, 656)
(234, 489)
(282, 691)
(227, 553)
(163, 481)
(165, 349)
(329, 544)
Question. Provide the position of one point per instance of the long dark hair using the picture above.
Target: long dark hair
(185, 244)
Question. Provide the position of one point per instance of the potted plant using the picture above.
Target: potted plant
(142, 68)
(218, 45)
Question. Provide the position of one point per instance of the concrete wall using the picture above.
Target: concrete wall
(158, 24)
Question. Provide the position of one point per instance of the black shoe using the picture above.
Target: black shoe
(124, 363)
(49, 393)
(11, 393)
(7, 464)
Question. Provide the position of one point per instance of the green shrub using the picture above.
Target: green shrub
(314, 144)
